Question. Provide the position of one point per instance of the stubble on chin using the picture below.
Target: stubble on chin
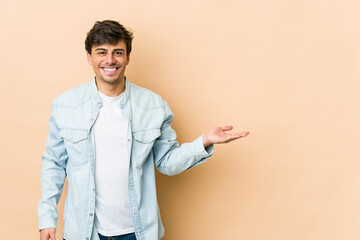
(112, 81)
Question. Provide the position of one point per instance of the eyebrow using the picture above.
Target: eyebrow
(104, 49)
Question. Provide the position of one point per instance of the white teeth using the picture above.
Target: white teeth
(109, 69)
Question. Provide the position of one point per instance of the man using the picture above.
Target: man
(106, 136)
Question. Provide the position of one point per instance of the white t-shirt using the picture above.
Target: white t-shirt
(112, 206)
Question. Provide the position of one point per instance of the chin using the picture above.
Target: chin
(112, 80)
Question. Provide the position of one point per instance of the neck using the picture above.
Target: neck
(111, 89)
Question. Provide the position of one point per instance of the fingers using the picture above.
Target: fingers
(48, 234)
(234, 136)
(244, 134)
(52, 236)
(238, 135)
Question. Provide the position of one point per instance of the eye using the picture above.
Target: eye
(101, 53)
(119, 53)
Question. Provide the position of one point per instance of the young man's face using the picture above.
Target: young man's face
(109, 61)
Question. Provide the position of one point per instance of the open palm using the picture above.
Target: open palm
(219, 135)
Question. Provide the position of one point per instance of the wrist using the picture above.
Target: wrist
(205, 141)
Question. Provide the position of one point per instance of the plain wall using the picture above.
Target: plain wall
(287, 71)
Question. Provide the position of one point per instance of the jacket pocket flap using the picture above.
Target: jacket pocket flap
(74, 135)
(147, 136)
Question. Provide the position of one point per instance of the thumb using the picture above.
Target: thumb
(227, 128)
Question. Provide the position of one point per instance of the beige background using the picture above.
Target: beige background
(287, 71)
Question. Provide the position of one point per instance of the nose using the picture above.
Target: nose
(110, 59)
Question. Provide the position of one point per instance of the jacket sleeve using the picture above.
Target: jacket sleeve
(53, 174)
(172, 159)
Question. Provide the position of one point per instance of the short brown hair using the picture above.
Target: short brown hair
(108, 31)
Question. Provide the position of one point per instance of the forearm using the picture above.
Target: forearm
(52, 181)
(180, 158)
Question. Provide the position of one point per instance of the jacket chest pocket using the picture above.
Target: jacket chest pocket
(143, 144)
(76, 144)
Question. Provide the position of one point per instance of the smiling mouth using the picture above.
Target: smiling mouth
(110, 71)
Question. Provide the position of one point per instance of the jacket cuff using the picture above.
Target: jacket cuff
(47, 223)
(202, 154)
(205, 152)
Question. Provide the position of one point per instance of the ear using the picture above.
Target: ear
(88, 55)
(128, 59)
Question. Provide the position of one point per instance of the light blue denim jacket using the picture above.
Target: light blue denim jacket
(70, 153)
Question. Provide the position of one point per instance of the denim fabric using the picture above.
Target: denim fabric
(70, 153)
(130, 236)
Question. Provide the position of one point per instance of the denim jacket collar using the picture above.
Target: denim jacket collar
(97, 99)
